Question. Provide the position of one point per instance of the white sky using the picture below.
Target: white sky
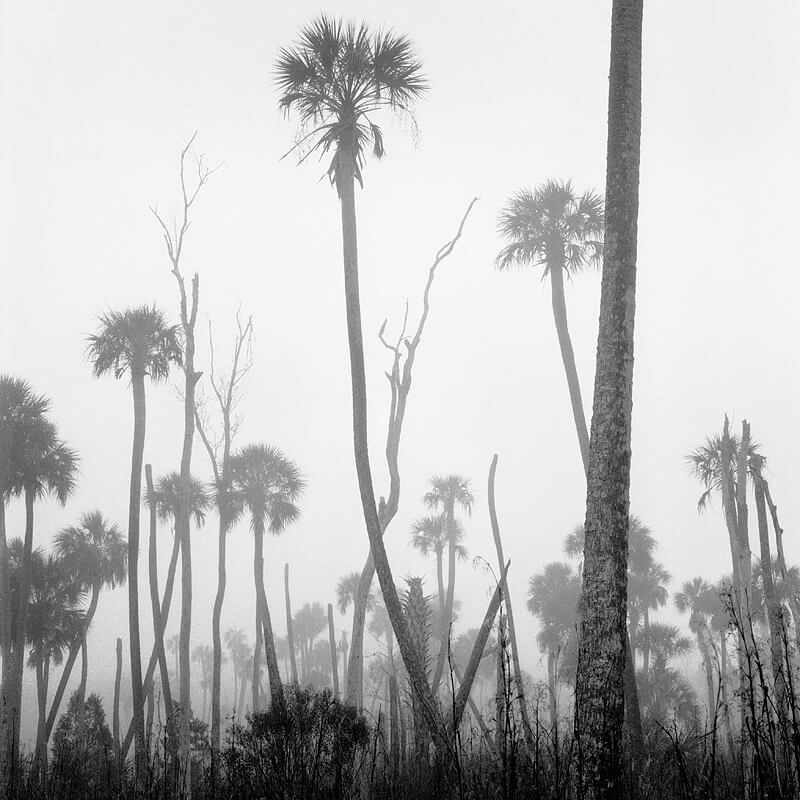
(97, 100)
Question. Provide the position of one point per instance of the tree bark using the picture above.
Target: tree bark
(115, 722)
(602, 644)
(5, 645)
(289, 626)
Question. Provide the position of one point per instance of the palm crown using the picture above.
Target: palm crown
(268, 484)
(137, 340)
(44, 464)
(337, 78)
(94, 551)
(551, 223)
(429, 535)
(347, 591)
(166, 497)
(448, 491)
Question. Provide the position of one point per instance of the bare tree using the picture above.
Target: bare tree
(227, 394)
(174, 239)
(403, 351)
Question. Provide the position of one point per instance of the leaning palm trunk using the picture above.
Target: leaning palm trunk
(334, 658)
(270, 656)
(42, 679)
(599, 691)
(556, 261)
(419, 682)
(139, 416)
(81, 725)
(289, 626)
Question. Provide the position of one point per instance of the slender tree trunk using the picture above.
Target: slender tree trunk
(519, 689)
(270, 656)
(165, 606)
(81, 704)
(552, 661)
(646, 647)
(18, 653)
(216, 640)
(555, 261)
(500, 689)
(602, 644)
(289, 625)
(334, 658)
(421, 689)
(446, 619)
(254, 678)
(5, 646)
(708, 668)
(344, 648)
(139, 423)
(242, 692)
(158, 621)
(115, 722)
(41, 724)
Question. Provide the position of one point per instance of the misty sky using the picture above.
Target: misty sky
(97, 100)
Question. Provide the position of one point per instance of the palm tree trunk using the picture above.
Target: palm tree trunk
(81, 704)
(254, 681)
(242, 691)
(41, 724)
(555, 263)
(158, 621)
(602, 645)
(270, 656)
(139, 423)
(419, 683)
(5, 646)
(334, 658)
(446, 619)
(289, 626)
(18, 653)
(115, 722)
(500, 689)
(165, 606)
(646, 647)
(66, 672)
(216, 641)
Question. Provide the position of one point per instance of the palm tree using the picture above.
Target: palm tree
(95, 553)
(447, 492)
(20, 408)
(54, 626)
(553, 596)
(646, 593)
(309, 622)
(43, 465)
(602, 654)
(347, 591)
(269, 485)
(336, 79)
(139, 342)
(236, 642)
(204, 656)
(554, 228)
(693, 599)
(428, 537)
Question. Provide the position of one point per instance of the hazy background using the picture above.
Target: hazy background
(97, 100)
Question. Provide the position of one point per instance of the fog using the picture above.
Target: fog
(98, 100)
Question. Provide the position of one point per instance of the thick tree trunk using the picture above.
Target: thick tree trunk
(41, 721)
(158, 622)
(270, 656)
(555, 262)
(254, 678)
(602, 645)
(334, 658)
(81, 721)
(416, 673)
(290, 627)
(139, 422)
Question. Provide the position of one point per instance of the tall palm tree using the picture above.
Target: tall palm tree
(562, 232)
(44, 466)
(602, 652)
(138, 342)
(268, 485)
(20, 408)
(553, 595)
(447, 492)
(347, 591)
(203, 655)
(309, 622)
(336, 79)
(96, 555)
